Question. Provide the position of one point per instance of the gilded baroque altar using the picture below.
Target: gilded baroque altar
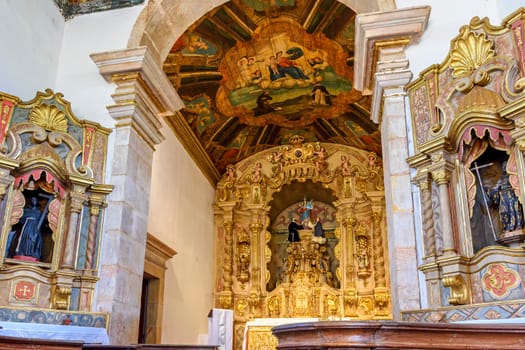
(263, 275)
(52, 200)
(468, 130)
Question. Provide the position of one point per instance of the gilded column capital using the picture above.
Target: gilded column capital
(518, 134)
(77, 201)
(349, 223)
(6, 166)
(441, 169)
(255, 228)
(96, 202)
(441, 176)
(423, 180)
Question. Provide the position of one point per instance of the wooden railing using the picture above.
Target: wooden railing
(150, 347)
(399, 335)
(13, 343)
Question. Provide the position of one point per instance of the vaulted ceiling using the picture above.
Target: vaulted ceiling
(252, 73)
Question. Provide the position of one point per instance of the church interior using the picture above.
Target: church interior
(261, 174)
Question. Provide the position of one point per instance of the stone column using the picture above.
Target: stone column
(381, 69)
(143, 93)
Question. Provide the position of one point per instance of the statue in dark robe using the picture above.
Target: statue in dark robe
(503, 196)
(30, 241)
(293, 233)
(318, 228)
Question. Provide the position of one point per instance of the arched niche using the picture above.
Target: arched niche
(306, 202)
(257, 190)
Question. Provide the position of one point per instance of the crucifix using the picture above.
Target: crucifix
(484, 195)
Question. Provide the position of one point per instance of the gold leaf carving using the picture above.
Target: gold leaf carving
(470, 53)
(49, 117)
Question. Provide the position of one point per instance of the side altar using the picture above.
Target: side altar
(468, 130)
(52, 200)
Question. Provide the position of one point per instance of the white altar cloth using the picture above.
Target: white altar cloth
(88, 335)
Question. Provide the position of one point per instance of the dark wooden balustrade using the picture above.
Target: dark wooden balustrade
(14, 343)
(399, 335)
(149, 347)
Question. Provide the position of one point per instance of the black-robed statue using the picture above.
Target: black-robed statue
(30, 243)
(318, 228)
(25, 241)
(503, 196)
(293, 233)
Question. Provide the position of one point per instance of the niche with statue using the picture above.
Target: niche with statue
(468, 122)
(309, 248)
(52, 200)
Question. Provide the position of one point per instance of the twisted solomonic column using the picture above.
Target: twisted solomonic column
(429, 240)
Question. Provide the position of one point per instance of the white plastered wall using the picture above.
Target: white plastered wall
(31, 39)
(42, 51)
(181, 213)
(446, 18)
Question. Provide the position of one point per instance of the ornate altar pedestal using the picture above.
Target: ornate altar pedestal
(258, 333)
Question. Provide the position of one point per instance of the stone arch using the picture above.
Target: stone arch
(175, 17)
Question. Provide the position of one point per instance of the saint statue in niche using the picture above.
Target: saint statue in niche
(30, 239)
(505, 199)
(497, 210)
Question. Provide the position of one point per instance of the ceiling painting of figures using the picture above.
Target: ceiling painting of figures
(253, 73)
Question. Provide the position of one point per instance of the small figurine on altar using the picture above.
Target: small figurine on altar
(318, 234)
(305, 210)
(318, 228)
(293, 233)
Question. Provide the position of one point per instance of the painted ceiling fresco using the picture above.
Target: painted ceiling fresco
(252, 73)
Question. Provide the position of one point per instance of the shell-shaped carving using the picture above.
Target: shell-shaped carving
(49, 117)
(470, 53)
